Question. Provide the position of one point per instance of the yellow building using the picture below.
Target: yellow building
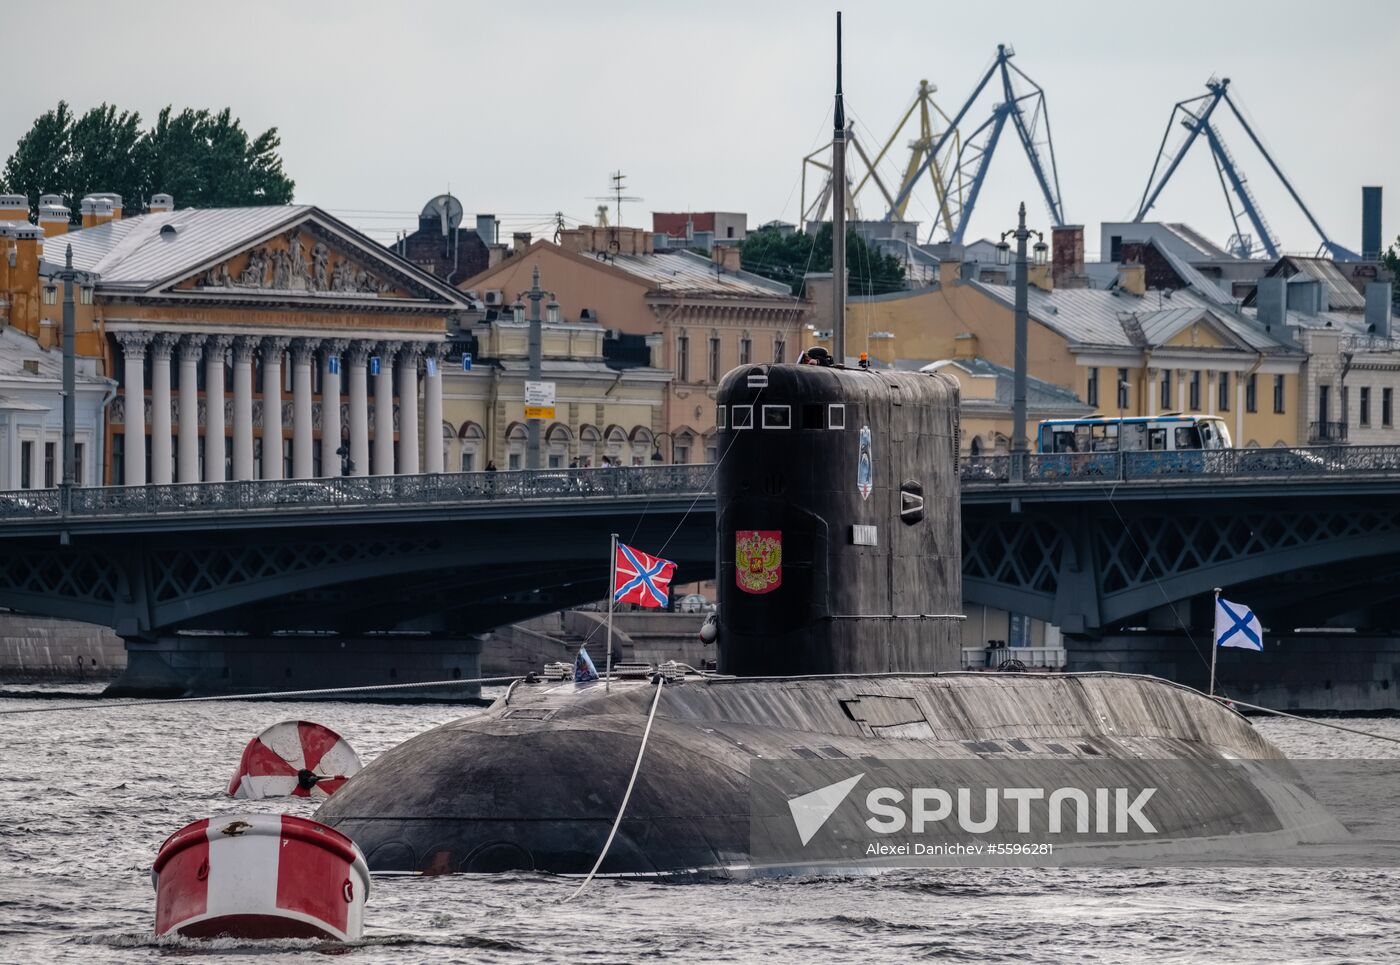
(1124, 350)
(703, 316)
(605, 411)
(238, 324)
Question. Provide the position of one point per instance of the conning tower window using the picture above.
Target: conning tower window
(777, 417)
(720, 412)
(836, 415)
(743, 417)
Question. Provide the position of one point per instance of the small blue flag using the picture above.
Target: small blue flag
(333, 365)
(1237, 626)
(466, 361)
(583, 667)
(374, 365)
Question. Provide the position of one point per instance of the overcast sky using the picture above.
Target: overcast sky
(526, 108)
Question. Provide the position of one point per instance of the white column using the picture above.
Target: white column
(432, 410)
(1211, 391)
(272, 349)
(384, 410)
(303, 351)
(357, 357)
(243, 348)
(408, 409)
(191, 347)
(1153, 391)
(1181, 400)
(331, 351)
(214, 468)
(134, 398)
(161, 347)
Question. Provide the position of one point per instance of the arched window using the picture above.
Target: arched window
(557, 442)
(976, 447)
(472, 443)
(613, 445)
(515, 446)
(588, 439)
(683, 447)
(643, 445)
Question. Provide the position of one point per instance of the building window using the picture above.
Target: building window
(556, 461)
(711, 453)
(1166, 402)
(1363, 407)
(50, 464)
(779, 350)
(1018, 632)
(1251, 394)
(682, 358)
(680, 453)
(78, 475)
(287, 459)
(118, 460)
(1091, 394)
(513, 461)
(1278, 393)
(1196, 391)
(468, 461)
(26, 462)
(745, 350)
(1386, 410)
(1122, 388)
(1222, 402)
(1115, 248)
(714, 359)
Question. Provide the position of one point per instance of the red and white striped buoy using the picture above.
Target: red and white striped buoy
(294, 758)
(260, 876)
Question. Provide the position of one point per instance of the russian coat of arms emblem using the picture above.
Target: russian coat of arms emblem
(758, 560)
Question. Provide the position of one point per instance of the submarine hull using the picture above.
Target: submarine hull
(535, 784)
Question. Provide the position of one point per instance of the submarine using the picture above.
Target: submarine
(838, 549)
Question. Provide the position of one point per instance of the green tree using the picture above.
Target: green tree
(788, 258)
(1390, 259)
(204, 159)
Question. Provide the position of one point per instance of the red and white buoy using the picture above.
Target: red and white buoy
(260, 876)
(294, 758)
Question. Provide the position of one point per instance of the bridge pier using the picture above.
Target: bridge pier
(192, 665)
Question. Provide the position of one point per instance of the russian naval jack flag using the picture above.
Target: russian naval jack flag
(640, 578)
(1235, 626)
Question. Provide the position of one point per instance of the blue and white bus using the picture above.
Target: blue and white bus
(1164, 433)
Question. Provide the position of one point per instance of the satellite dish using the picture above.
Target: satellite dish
(446, 209)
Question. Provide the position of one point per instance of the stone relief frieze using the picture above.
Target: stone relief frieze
(294, 269)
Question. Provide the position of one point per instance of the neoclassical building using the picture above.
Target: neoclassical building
(261, 343)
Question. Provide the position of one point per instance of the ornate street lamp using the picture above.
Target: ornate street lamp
(1018, 406)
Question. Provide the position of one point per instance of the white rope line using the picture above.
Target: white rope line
(368, 688)
(617, 822)
(1307, 720)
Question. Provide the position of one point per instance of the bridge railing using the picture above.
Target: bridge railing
(265, 494)
(1302, 461)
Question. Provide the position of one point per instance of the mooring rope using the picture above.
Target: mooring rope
(272, 695)
(617, 821)
(1307, 720)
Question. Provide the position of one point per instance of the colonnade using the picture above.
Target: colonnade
(396, 367)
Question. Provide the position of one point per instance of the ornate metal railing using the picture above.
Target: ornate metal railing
(1204, 466)
(346, 491)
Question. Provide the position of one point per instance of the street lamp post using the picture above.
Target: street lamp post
(656, 455)
(1018, 404)
(69, 275)
(536, 295)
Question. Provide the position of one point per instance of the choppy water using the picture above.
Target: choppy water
(86, 799)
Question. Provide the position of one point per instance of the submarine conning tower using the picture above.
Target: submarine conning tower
(839, 527)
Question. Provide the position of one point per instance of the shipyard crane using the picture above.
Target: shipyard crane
(1196, 115)
(1029, 116)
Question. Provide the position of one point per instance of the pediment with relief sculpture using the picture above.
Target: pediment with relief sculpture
(307, 260)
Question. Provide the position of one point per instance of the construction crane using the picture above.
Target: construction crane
(1196, 116)
(1028, 114)
(919, 151)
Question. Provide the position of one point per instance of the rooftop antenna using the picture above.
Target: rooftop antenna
(617, 197)
(838, 216)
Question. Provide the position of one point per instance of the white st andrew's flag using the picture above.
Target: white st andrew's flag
(1237, 626)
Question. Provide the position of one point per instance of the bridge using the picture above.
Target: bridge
(1090, 542)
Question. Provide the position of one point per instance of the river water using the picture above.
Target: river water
(86, 798)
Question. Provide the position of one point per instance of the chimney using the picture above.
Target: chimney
(1371, 223)
(486, 229)
(24, 278)
(115, 201)
(53, 219)
(1041, 276)
(7, 245)
(1271, 301)
(1067, 256)
(1378, 308)
(522, 241)
(1306, 295)
(728, 257)
(161, 204)
(1132, 277)
(14, 207)
(965, 346)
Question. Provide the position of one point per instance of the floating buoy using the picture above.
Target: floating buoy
(260, 876)
(295, 758)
